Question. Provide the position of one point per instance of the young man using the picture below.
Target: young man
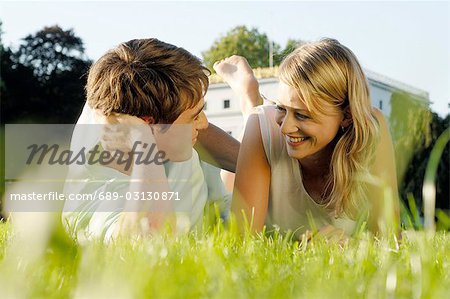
(139, 83)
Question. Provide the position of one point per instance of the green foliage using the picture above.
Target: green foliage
(240, 40)
(44, 79)
(413, 179)
(409, 123)
(249, 43)
(291, 45)
(50, 50)
(414, 130)
(2, 53)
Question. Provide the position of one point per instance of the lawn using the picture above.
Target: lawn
(39, 260)
(219, 263)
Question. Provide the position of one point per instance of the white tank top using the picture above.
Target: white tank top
(290, 206)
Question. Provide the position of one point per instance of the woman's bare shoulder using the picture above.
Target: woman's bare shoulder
(379, 116)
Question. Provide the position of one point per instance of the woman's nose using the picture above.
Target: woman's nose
(287, 125)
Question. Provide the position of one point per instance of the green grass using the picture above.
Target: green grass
(220, 264)
(43, 262)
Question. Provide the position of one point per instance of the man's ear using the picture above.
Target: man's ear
(348, 119)
(149, 119)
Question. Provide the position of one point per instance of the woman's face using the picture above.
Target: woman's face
(304, 136)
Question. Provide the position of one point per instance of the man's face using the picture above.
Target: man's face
(195, 117)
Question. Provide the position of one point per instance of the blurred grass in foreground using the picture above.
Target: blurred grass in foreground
(429, 185)
(220, 264)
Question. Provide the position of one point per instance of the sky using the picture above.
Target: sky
(408, 41)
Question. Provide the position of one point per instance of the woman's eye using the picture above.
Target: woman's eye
(301, 116)
(279, 108)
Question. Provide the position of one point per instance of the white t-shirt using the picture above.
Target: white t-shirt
(194, 181)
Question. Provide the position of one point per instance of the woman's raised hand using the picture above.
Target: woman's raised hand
(236, 71)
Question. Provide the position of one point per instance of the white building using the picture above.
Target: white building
(222, 108)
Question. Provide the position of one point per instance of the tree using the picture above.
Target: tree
(415, 172)
(51, 50)
(252, 44)
(240, 40)
(45, 78)
(2, 51)
(291, 45)
(415, 129)
(2, 137)
(409, 123)
(19, 90)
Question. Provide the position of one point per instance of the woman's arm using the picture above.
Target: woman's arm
(236, 71)
(215, 146)
(251, 187)
(384, 211)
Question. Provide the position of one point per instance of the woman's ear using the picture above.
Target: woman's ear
(347, 120)
(149, 119)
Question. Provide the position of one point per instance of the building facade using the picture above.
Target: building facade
(222, 108)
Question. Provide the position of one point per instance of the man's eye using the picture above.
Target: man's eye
(279, 108)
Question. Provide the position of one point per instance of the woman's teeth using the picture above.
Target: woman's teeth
(295, 140)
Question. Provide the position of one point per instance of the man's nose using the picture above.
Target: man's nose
(202, 122)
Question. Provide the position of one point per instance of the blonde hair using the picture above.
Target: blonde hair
(327, 75)
(146, 77)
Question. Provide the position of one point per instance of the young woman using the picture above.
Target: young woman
(322, 156)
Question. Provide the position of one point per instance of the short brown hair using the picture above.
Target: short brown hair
(146, 77)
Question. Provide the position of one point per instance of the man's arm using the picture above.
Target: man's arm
(218, 148)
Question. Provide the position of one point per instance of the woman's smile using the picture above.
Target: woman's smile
(296, 141)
